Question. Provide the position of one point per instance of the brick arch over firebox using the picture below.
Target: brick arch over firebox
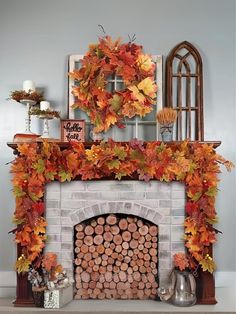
(117, 207)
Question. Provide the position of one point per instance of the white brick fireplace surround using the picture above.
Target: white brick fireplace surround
(70, 203)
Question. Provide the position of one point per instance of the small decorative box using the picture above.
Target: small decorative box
(55, 299)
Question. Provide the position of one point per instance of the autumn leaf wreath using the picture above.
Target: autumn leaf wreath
(104, 61)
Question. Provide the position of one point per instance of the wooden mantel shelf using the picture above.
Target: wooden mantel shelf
(64, 145)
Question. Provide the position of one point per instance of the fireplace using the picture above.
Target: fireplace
(157, 206)
(70, 204)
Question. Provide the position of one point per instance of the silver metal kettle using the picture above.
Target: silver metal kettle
(182, 289)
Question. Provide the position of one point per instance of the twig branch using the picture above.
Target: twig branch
(102, 28)
(9, 162)
(132, 39)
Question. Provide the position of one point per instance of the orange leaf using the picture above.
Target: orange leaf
(49, 261)
(28, 150)
(23, 148)
(37, 244)
(111, 119)
(190, 226)
(206, 236)
(58, 268)
(36, 186)
(40, 226)
(23, 236)
(72, 161)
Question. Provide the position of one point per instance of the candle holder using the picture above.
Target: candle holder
(45, 118)
(29, 104)
(45, 115)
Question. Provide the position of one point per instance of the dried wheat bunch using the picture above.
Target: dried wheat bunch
(166, 116)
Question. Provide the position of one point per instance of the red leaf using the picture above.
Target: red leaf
(191, 207)
(39, 208)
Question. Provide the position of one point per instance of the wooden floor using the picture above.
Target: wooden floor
(226, 304)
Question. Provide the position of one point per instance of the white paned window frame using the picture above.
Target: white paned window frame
(137, 121)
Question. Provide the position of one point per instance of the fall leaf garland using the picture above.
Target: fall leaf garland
(106, 60)
(197, 165)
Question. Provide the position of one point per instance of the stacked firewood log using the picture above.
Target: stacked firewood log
(116, 258)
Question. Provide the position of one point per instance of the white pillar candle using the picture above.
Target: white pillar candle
(28, 86)
(44, 105)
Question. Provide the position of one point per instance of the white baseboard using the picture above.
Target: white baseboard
(8, 282)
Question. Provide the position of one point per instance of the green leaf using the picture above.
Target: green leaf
(212, 191)
(17, 221)
(115, 102)
(34, 197)
(39, 166)
(120, 152)
(98, 119)
(136, 155)
(100, 81)
(196, 196)
(99, 53)
(18, 192)
(65, 176)
(161, 147)
(50, 175)
(119, 175)
(192, 167)
(113, 164)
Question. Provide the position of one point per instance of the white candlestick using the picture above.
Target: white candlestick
(28, 86)
(44, 105)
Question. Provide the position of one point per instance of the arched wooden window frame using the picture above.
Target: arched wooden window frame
(170, 86)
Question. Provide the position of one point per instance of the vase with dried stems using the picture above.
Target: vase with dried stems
(166, 118)
(48, 278)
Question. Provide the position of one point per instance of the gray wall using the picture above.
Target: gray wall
(37, 36)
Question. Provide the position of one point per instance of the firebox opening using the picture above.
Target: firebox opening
(116, 257)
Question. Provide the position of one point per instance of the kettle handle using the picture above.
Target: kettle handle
(192, 283)
(172, 281)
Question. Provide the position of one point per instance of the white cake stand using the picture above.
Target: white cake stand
(28, 103)
(45, 118)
